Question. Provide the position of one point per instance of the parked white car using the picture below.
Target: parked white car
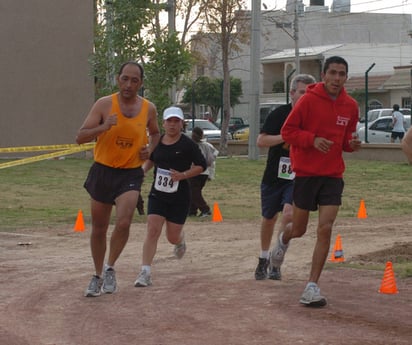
(377, 113)
(379, 130)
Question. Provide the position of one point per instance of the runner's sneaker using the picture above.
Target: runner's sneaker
(261, 271)
(205, 214)
(94, 288)
(278, 254)
(143, 279)
(312, 297)
(274, 273)
(109, 281)
(180, 249)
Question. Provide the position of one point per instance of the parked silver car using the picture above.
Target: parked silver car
(379, 130)
(210, 131)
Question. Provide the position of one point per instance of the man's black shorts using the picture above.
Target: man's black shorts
(105, 184)
(311, 192)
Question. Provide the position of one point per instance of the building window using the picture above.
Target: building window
(406, 102)
(278, 87)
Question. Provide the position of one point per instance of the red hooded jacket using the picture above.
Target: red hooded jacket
(316, 114)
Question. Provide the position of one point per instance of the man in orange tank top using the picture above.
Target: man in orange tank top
(120, 124)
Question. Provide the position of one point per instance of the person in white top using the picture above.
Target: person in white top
(197, 182)
(398, 130)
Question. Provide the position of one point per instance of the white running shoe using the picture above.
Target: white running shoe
(143, 279)
(180, 249)
(278, 254)
(109, 281)
(94, 288)
(311, 296)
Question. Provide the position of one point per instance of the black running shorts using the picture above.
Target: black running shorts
(105, 184)
(311, 192)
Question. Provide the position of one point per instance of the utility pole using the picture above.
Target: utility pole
(367, 100)
(171, 11)
(253, 152)
(298, 12)
(110, 77)
(410, 97)
(296, 36)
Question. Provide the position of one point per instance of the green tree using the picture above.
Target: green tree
(278, 86)
(360, 96)
(168, 60)
(117, 38)
(208, 91)
(130, 30)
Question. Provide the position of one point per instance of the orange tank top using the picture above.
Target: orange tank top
(119, 147)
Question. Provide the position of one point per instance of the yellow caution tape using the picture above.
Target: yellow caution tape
(76, 148)
(44, 148)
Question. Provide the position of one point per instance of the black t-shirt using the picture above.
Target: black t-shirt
(272, 126)
(178, 156)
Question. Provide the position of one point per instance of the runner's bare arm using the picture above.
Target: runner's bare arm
(97, 121)
(407, 145)
(268, 140)
(153, 128)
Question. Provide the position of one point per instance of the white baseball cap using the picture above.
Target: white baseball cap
(173, 112)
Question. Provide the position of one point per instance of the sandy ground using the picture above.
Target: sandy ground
(208, 297)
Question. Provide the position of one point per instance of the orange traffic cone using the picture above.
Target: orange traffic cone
(79, 225)
(388, 284)
(362, 210)
(337, 254)
(217, 216)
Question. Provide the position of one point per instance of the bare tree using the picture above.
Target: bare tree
(225, 21)
(190, 12)
(189, 18)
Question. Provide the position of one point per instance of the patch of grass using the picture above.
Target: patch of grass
(385, 186)
(45, 193)
(400, 254)
(51, 192)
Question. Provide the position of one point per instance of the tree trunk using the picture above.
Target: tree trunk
(223, 148)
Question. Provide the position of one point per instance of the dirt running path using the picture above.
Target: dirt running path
(208, 297)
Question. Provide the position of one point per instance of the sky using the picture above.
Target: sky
(373, 6)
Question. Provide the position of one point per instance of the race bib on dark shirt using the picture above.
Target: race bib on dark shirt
(285, 169)
(164, 183)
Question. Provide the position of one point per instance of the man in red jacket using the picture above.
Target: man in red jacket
(318, 129)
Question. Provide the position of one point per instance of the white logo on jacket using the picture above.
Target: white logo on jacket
(342, 121)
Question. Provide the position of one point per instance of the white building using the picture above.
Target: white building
(361, 38)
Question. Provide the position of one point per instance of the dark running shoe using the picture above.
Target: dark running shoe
(274, 273)
(205, 214)
(261, 271)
